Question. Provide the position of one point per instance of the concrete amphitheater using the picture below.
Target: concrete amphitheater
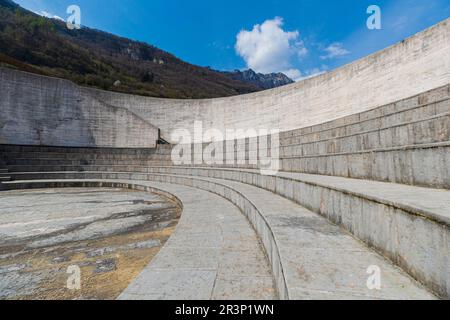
(363, 181)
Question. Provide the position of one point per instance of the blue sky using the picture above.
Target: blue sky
(299, 37)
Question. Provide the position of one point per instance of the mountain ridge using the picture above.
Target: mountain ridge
(90, 57)
(264, 81)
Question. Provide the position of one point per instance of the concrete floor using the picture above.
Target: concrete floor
(110, 234)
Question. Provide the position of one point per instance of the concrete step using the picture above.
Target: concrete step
(380, 214)
(377, 123)
(409, 109)
(433, 203)
(78, 156)
(426, 123)
(383, 135)
(213, 254)
(76, 166)
(427, 164)
(422, 165)
(311, 258)
(5, 178)
(210, 255)
(23, 148)
(3, 170)
(64, 162)
(20, 153)
(16, 151)
(432, 130)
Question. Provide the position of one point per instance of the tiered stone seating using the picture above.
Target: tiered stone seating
(213, 254)
(405, 142)
(311, 258)
(381, 177)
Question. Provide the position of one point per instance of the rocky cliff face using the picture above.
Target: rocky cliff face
(263, 81)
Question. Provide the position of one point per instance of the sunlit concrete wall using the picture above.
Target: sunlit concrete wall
(40, 110)
(36, 110)
(415, 65)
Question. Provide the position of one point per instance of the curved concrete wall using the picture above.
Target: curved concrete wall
(39, 110)
(416, 65)
(36, 110)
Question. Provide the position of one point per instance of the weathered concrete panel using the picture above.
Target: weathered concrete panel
(41, 110)
(36, 110)
(331, 264)
(418, 64)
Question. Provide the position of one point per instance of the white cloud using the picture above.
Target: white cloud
(335, 50)
(268, 48)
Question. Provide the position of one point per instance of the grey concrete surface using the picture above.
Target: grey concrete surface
(403, 142)
(41, 218)
(409, 225)
(212, 254)
(109, 233)
(316, 271)
(380, 214)
(38, 110)
(415, 65)
(331, 264)
(396, 131)
(431, 130)
(418, 64)
(383, 118)
(418, 165)
(431, 203)
(421, 105)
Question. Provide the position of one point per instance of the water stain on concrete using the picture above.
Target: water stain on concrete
(110, 250)
(313, 224)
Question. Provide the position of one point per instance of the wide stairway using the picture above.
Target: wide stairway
(359, 198)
